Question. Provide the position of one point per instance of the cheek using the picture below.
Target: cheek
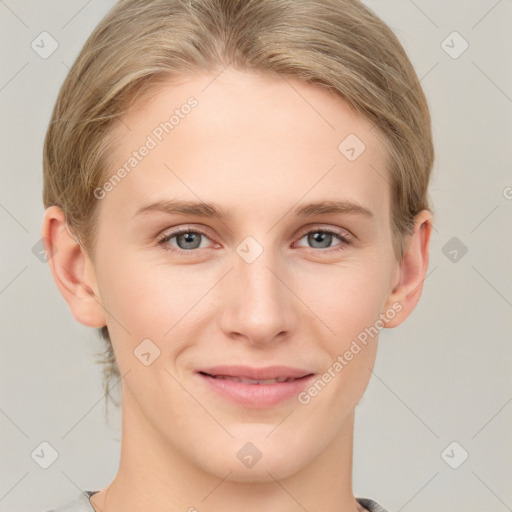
(349, 302)
(146, 293)
(347, 296)
(147, 300)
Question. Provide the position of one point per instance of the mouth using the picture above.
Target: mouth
(255, 387)
(245, 380)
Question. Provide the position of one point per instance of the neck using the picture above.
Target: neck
(155, 476)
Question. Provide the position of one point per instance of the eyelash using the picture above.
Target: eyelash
(169, 236)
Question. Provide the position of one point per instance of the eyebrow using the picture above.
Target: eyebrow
(208, 209)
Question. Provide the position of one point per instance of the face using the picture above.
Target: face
(265, 272)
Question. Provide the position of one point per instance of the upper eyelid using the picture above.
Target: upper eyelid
(336, 230)
(187, 228)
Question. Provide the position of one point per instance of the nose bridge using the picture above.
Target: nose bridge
(259, 305)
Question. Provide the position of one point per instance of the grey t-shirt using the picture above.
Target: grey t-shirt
(82, 504)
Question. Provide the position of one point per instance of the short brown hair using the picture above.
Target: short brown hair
(338, 44)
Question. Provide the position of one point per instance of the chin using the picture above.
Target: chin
(256, 461)
(263, 472)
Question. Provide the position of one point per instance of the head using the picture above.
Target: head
(254, 110)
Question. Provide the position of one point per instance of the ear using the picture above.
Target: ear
(72, 269)
(412, 270)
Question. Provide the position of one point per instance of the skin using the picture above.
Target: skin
(258, 146)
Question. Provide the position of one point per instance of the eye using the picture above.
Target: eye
(186, 240)
(321, 238)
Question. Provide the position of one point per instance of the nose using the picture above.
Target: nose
(258, 303)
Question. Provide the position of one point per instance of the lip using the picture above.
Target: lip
(256, 395)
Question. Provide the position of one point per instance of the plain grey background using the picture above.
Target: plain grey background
(442, 385)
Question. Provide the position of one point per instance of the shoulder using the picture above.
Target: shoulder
(370, 505)
(80, 503)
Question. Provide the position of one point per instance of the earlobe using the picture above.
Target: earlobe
(412, 271)
(72, 269)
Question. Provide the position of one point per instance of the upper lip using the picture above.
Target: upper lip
(263, 373)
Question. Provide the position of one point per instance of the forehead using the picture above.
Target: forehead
(242, 139)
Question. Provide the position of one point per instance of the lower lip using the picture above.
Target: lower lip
(256, 395)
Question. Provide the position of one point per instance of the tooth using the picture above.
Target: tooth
(243, 380)
(249, 381)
